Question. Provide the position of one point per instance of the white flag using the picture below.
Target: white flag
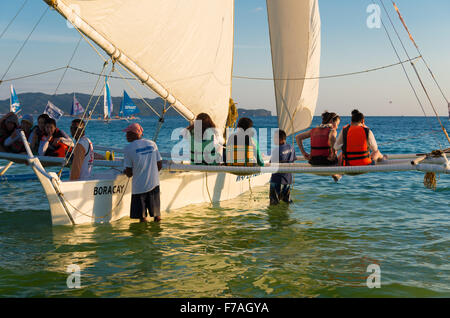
(53, 111)
(77, 109)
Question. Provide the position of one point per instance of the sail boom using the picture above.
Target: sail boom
(120, 57)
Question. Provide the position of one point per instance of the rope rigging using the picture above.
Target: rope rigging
(68, 65)
(406, 73)
(113, 68)
(412, 64)
(14, 18)
(23, 45)
(419, 51)
(235, 76)
(83, 117)
(327, 76)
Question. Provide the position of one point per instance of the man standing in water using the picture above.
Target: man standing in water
(142, 161)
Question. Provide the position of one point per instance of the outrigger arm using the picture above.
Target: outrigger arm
(49, 182)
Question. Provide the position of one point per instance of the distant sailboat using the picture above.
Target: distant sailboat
(77, 109)
(127, 108)
(107, 104)
(14, 105)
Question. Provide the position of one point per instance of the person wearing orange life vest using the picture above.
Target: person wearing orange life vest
(358, 144)
(56, 143)
(323, 138)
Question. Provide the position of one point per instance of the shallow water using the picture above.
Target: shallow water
(319, 246)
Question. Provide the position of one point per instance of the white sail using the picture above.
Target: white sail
(186, 46)
(295, 41)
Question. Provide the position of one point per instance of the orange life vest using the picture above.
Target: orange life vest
(61, 150)
(355, 150)
(320, 142)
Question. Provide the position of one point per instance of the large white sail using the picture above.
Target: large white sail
(185, 46)
(295, 41)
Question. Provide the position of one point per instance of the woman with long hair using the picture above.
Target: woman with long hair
(205, 140)
(323, 138)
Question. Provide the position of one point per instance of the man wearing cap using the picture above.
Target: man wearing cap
(142, 161)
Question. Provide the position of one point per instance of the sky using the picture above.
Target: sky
(348, 45)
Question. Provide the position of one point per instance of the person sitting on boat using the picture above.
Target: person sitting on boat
(83, 153)
(358, 144)
(9, 123)
(206, 143)
(242, 148)
(56, 143)
(323, 138)
(14, 140)
(37, 132)
(280, 183)
(142, 161)
(26, 124)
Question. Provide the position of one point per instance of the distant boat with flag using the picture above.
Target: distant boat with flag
(77, 109)
(127, 108)
(14, 105)
(107, 103)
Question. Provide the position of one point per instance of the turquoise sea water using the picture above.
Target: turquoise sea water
(319, 246)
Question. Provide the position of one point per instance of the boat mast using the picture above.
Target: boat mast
(117, 56)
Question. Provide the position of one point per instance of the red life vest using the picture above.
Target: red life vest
(355, 150)
(320, 142)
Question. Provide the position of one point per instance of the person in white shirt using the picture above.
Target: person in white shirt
(142, 161)
(83, 153)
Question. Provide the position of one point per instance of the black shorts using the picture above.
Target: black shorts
(143, 202)
(322, 161)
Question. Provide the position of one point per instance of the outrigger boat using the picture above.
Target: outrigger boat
(186, 58)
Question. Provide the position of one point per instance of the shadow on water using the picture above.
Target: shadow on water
(278, 216)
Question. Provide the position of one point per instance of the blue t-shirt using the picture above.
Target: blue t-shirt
(286, 154)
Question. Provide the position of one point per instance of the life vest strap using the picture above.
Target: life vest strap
(357, 158)
(357, 152)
